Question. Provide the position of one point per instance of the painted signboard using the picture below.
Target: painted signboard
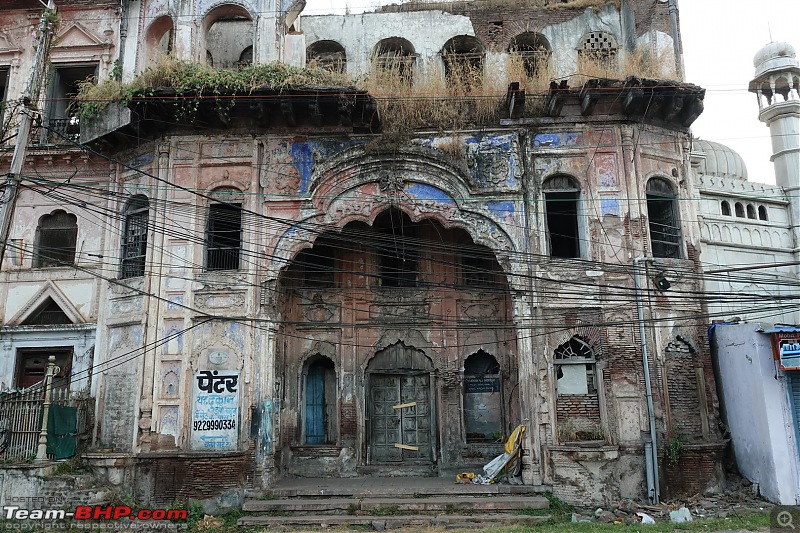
(215, 417)
(786, 349)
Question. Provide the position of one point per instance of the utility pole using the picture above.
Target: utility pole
(29, 101)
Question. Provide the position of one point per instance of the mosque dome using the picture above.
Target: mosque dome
(719, 160)
(775, 56)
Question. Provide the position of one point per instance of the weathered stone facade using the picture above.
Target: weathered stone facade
(347, 307)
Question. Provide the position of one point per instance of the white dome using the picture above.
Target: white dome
(720, 160)
(775, 56)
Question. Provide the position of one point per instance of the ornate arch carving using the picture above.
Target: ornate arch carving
(356, 186)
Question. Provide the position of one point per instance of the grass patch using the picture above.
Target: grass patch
(385, 510)
(195, 80)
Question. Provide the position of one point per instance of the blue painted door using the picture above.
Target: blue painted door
(315, 405)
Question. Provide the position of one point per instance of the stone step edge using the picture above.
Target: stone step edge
(456, 489)
(533, 502)
(390, 521)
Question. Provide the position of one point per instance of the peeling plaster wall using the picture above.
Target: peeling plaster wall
(757, 410)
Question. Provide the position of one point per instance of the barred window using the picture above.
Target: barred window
(561, 197)
(224, 231)
(665, 232)
(134, 238)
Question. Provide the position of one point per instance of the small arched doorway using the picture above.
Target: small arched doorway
(400, 406)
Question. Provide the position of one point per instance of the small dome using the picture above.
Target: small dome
(775, 56)
(719, 160)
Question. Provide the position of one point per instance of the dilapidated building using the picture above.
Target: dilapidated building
(321, 280)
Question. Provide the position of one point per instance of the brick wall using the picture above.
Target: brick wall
(182, 477)
(585, 406)
(698, 469)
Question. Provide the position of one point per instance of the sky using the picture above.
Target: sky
(720, 38)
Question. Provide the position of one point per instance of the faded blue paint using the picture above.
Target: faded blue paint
(609, 206)
(141, 159)
(265, 426)
(564, 138)
(307, 154)
(235, 332)
(422, 191)
(607, 179)
(502, 210)
(175, 302)
(303, 159)
(492, 155)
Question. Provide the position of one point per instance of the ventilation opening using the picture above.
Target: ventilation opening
(47, 314)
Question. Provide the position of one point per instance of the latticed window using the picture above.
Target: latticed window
(665, 233)
(56, 237)
(224, 231)
(134, 240)
(600, 47)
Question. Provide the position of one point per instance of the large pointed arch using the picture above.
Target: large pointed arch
(357, 187)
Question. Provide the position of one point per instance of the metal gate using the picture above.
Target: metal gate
(400, 417)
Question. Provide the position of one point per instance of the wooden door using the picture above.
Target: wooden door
(400, 417)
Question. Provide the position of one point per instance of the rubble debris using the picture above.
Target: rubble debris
(680, 516)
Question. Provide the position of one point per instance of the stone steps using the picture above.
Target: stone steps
(397, 505)
(393, 522)
(376, 506)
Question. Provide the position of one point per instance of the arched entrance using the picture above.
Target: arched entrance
(396, 300)
(399, 406)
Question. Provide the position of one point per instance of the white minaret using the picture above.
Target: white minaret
(777, 86)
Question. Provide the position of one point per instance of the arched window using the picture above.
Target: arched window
(561, 198)
(762, 213)
(224, 230)
(577, 398)
(56, 237)
(134, 238)
(227, 34)
(463, 60)
(483, 417)
(600, 48)
(329, 55)
(245, 58)
(751, 211)
(394, 57)
(159, 39)
(739, 209)
(320, 402)
(534, 50)
(725, 208)
(665, 233)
